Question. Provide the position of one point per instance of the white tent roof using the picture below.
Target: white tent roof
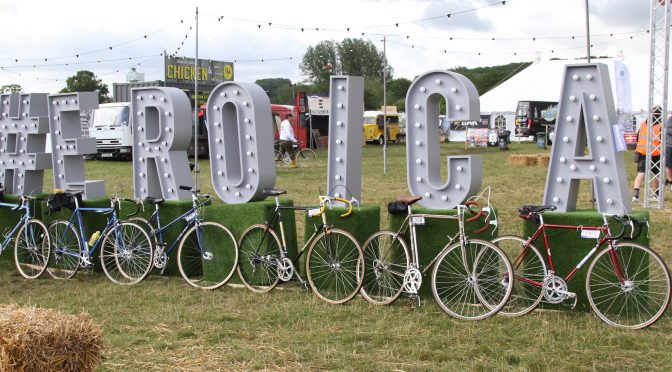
(541, 81)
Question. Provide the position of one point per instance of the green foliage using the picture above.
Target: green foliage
(486, 78)
(271, 86)
(86, 81)
(11, 88)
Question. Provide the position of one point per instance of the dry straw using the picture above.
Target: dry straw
(543, 160)
(34, 339)
(521, 160)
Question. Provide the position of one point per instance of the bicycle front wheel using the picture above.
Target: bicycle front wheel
(207, 256)
(126, 253)
(31, 249)
(306, 157)
(529, 270)
(259, 249)
(66, 250)
(335, 266)
(469, 283)
(629, 286)
(386, 259)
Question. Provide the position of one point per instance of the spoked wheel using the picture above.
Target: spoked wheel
(529, 270)
(160, 256)
(637, 297)
(335, 266)
(207, 256)
(386, 258)
(306, 157)
(66, 250)
(31, 249)
(126, 253)
(469, 285)
(259, 249)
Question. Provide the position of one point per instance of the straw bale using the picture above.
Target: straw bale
(34, 339)
(521, 160)
(543, 160)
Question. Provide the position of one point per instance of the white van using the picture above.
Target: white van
(110, 125)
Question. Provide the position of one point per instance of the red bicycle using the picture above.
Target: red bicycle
(627, 284)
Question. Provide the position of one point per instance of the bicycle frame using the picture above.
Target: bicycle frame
(190, 217)
(22, 220)
(76, 218)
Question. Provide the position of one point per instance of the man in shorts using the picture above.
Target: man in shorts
(640, 152)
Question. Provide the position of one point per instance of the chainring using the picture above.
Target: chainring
(412, 280)
(553, 289)
(160, 259)
(285, 269)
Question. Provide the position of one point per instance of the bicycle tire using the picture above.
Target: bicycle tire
(386, 259)
(529, 271)
(484, 294)
(66, 250)
(335, 266)
(641, 299)
(306, 157)
(212, 269)
(126, 253)
(31, 249)
(258, 251)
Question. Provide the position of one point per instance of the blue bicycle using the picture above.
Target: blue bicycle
(31, 240)
(207, 255)
(126, 253)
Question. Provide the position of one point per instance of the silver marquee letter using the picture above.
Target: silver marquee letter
(585, 118)
(344, 172)
(422, 134)
(162, 127)
(67, 145)
(240, 135)
(24, 125)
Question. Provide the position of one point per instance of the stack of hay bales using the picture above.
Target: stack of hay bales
(528, 160)
(33, 339)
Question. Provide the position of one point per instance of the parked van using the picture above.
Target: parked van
(110, 125)
(373, 125)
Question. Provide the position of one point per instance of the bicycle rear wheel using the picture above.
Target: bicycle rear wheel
(335, 266)
(643, 294)
(207, 256)
(66, 250)
(529, 270)
(470, 285)
(31, 249)
(259, 249)
(126, 253)
(386, 258)
(306, 157)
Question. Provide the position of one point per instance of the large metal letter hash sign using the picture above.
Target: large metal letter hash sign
(240, 135)
(67, 144)
(422, 134)
(585, 118)
(344, 172)
(162, 128)
(24, 125)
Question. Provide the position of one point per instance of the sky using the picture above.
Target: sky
(52, 40)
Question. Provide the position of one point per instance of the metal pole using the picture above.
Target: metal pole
(384, 106)
(197, 169)
(587, 32)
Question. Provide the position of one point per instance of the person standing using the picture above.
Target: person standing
(668, 152)
(640, 152)
(287, 139)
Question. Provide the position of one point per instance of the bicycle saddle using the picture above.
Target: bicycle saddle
(151, 200)
(409, 199)
(537, 208)
(273, 192)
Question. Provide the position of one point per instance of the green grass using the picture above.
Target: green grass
(161, 324)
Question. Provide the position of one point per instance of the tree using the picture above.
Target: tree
(11, 88)
(272, 88)
(86, 81)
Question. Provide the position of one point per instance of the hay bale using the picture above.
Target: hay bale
(521, 160)
(543, 160)
(33, 339)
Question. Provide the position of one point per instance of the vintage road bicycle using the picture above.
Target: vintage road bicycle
(125, 249)
(304, 157)
(627, 284)
(334, 259)
(31, 239)
(467, 274)
(207, 254)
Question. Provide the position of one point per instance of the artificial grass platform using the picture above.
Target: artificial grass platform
(434, 236)
(568, 248)
(8, 220)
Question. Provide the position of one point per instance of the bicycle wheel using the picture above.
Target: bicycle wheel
(643, 294)
(66, 250)
(31, 249)
(306, 157)
(259, 251)
(386, 258)
(335, 266)
(529, 270)
(126, 253)
(470, 285)
(207, 256)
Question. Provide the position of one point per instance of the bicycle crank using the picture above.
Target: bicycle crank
(555, 290)
(285, 269)
(412, 280)
(160, 259)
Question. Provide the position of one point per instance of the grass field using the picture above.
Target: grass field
(161, 324)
